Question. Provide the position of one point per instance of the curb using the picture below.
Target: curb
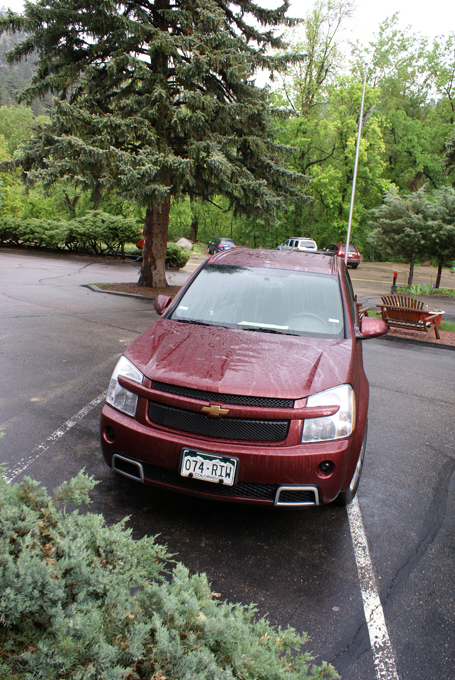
(96, 289)
(416, 341)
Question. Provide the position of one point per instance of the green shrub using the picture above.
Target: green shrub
(176, 256)
(84, 601)
(96, 232)
(425, 289)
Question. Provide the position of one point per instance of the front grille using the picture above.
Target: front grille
(244, 490)
(236, 399)
(237, 429)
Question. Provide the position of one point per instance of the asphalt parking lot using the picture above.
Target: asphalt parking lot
(377, 598)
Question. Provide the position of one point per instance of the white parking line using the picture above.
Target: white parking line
(24, 463)
(383, 656)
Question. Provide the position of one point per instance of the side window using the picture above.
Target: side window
(352, 305)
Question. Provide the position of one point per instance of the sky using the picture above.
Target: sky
(433, 18)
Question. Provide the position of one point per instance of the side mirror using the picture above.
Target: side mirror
(371, 327)
(161, 302)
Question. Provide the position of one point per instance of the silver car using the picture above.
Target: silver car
(303, 244)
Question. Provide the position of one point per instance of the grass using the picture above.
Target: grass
(426, 289)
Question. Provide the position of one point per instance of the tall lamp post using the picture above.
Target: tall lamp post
(356, 163)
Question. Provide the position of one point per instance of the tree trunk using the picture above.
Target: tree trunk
(439, 274)
(194, 229)
(156, 226)
(71, 204)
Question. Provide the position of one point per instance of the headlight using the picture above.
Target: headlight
(331, 427)
(117, 396)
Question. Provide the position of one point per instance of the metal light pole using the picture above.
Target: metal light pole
(359, 135)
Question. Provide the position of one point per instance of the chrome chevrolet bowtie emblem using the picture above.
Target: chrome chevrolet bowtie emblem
(215, 410)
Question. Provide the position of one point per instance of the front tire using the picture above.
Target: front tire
(346, 497)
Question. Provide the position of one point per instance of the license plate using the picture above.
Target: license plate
(209, 467)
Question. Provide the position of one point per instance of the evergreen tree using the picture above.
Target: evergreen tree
(156, 100)
(417, 224)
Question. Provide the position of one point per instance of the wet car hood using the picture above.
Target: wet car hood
(230, 361)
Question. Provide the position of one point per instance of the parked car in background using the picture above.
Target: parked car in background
(220, 244)
(304, 244)
(250, 387)
(353, 254)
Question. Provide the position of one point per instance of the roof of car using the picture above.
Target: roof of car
(280, 259)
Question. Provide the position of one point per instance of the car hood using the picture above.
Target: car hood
(250, 363)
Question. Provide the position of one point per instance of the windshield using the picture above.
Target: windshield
(262, 299)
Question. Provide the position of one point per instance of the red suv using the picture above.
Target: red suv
(250, 387)
(340, 250)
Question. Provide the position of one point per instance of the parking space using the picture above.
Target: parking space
(59, 343)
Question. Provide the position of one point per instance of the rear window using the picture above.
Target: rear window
(264, 300)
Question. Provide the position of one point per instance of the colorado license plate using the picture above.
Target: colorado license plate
(206, 466)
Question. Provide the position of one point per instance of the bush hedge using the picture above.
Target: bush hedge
(85, 601)
(96, 232)
(176, 256)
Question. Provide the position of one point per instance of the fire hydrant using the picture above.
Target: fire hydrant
(394, 284)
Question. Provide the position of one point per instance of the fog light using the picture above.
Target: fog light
(109, 434)
(326, 467)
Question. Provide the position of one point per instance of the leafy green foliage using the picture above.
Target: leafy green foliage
(96, 232)
(415, 125)
(325, 150)
(157, 117)
(16, 125)
(176, 256)
(82, 600)
(419, 224)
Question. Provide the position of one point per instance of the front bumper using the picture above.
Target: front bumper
(267, 474)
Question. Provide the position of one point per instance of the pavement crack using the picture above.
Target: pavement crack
(436, 514)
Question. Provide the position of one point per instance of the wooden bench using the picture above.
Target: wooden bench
(408, 314)
(361, 311)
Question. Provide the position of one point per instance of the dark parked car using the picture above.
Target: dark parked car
(340, 250)
(250, 387)
(220, 244)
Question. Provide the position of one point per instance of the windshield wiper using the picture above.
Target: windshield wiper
(193, 321)
(199, 323)
(265, 329)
